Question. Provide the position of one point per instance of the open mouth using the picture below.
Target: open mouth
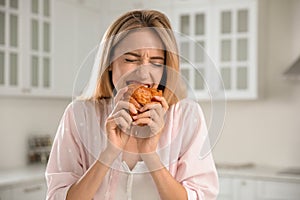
(139, 83)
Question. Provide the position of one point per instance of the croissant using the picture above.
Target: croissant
(140, 95)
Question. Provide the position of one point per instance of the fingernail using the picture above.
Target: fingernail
(134, 117)
(133, 123)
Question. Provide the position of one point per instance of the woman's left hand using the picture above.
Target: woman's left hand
(153, 116)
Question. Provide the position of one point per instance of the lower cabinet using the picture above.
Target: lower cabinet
(25, 191)
(269, 190)
(5, 194)
(233, 188)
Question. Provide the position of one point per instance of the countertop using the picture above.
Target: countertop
(37, 173)
(251, 171)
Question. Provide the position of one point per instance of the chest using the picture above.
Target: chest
(130, 153)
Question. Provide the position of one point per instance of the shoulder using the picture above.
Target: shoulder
(187, 103)
(75, 106)
(81, 106)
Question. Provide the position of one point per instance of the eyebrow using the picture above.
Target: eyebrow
(138, 55)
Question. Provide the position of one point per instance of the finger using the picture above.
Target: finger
(122, 124)
(162, 108)
(125, 105)
(152, 114)
(120, 94)
(163, 102)
(135, 103)
(124, 114)
(152, 105)
(143, 121)
(110, 123)
(156, 112)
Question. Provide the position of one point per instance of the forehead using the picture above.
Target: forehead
(140, 40)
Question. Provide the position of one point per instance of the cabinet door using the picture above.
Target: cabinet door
(226, 189)
(236, 189)
(236, 48)
(54, 44)
(268, 190)
(25, 47)
(5, 194)
(245, 189)
(10, 48)
(194, 39)
(227, 31)
(38, 55)
(30, 191)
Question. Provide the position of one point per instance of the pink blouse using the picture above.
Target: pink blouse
(81, 138)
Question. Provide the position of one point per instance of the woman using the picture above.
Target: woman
(107, 148)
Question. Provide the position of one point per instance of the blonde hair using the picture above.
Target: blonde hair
(124, 24)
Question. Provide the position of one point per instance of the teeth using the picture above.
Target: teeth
(135, 82)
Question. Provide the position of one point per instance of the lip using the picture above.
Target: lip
(129, 82)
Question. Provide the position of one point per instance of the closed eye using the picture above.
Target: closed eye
(131, 60)
(157, 64)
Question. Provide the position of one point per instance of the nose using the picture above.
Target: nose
(143, 71)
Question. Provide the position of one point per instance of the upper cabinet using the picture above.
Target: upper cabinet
(227, 32)
(39, 50)
(10, 44)
(42, 44)
(25, 47)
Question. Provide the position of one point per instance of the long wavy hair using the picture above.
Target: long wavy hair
(132, 21)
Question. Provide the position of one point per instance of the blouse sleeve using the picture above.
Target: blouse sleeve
(65, 165)
(197, 175)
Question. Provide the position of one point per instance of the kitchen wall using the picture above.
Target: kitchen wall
(263, 131)
(267, 130)
(21, 117)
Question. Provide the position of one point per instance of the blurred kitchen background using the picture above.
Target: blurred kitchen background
(255, 44)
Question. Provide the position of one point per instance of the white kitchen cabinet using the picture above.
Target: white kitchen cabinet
(29, 191)
(5, 193)
(24, 183)
(227, 30)
(53, 38)
(10, 45)
(236, 48)
(236, 188)
(268, 190)
(226, 188)
(193, 23)
(244, 189)
(25, 52)
(35, 190)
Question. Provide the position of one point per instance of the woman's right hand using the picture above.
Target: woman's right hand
(118, 123)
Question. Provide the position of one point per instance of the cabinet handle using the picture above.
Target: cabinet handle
(32, 189)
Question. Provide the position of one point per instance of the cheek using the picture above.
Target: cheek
(157, 74)
(118, 71)
(115, 76)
